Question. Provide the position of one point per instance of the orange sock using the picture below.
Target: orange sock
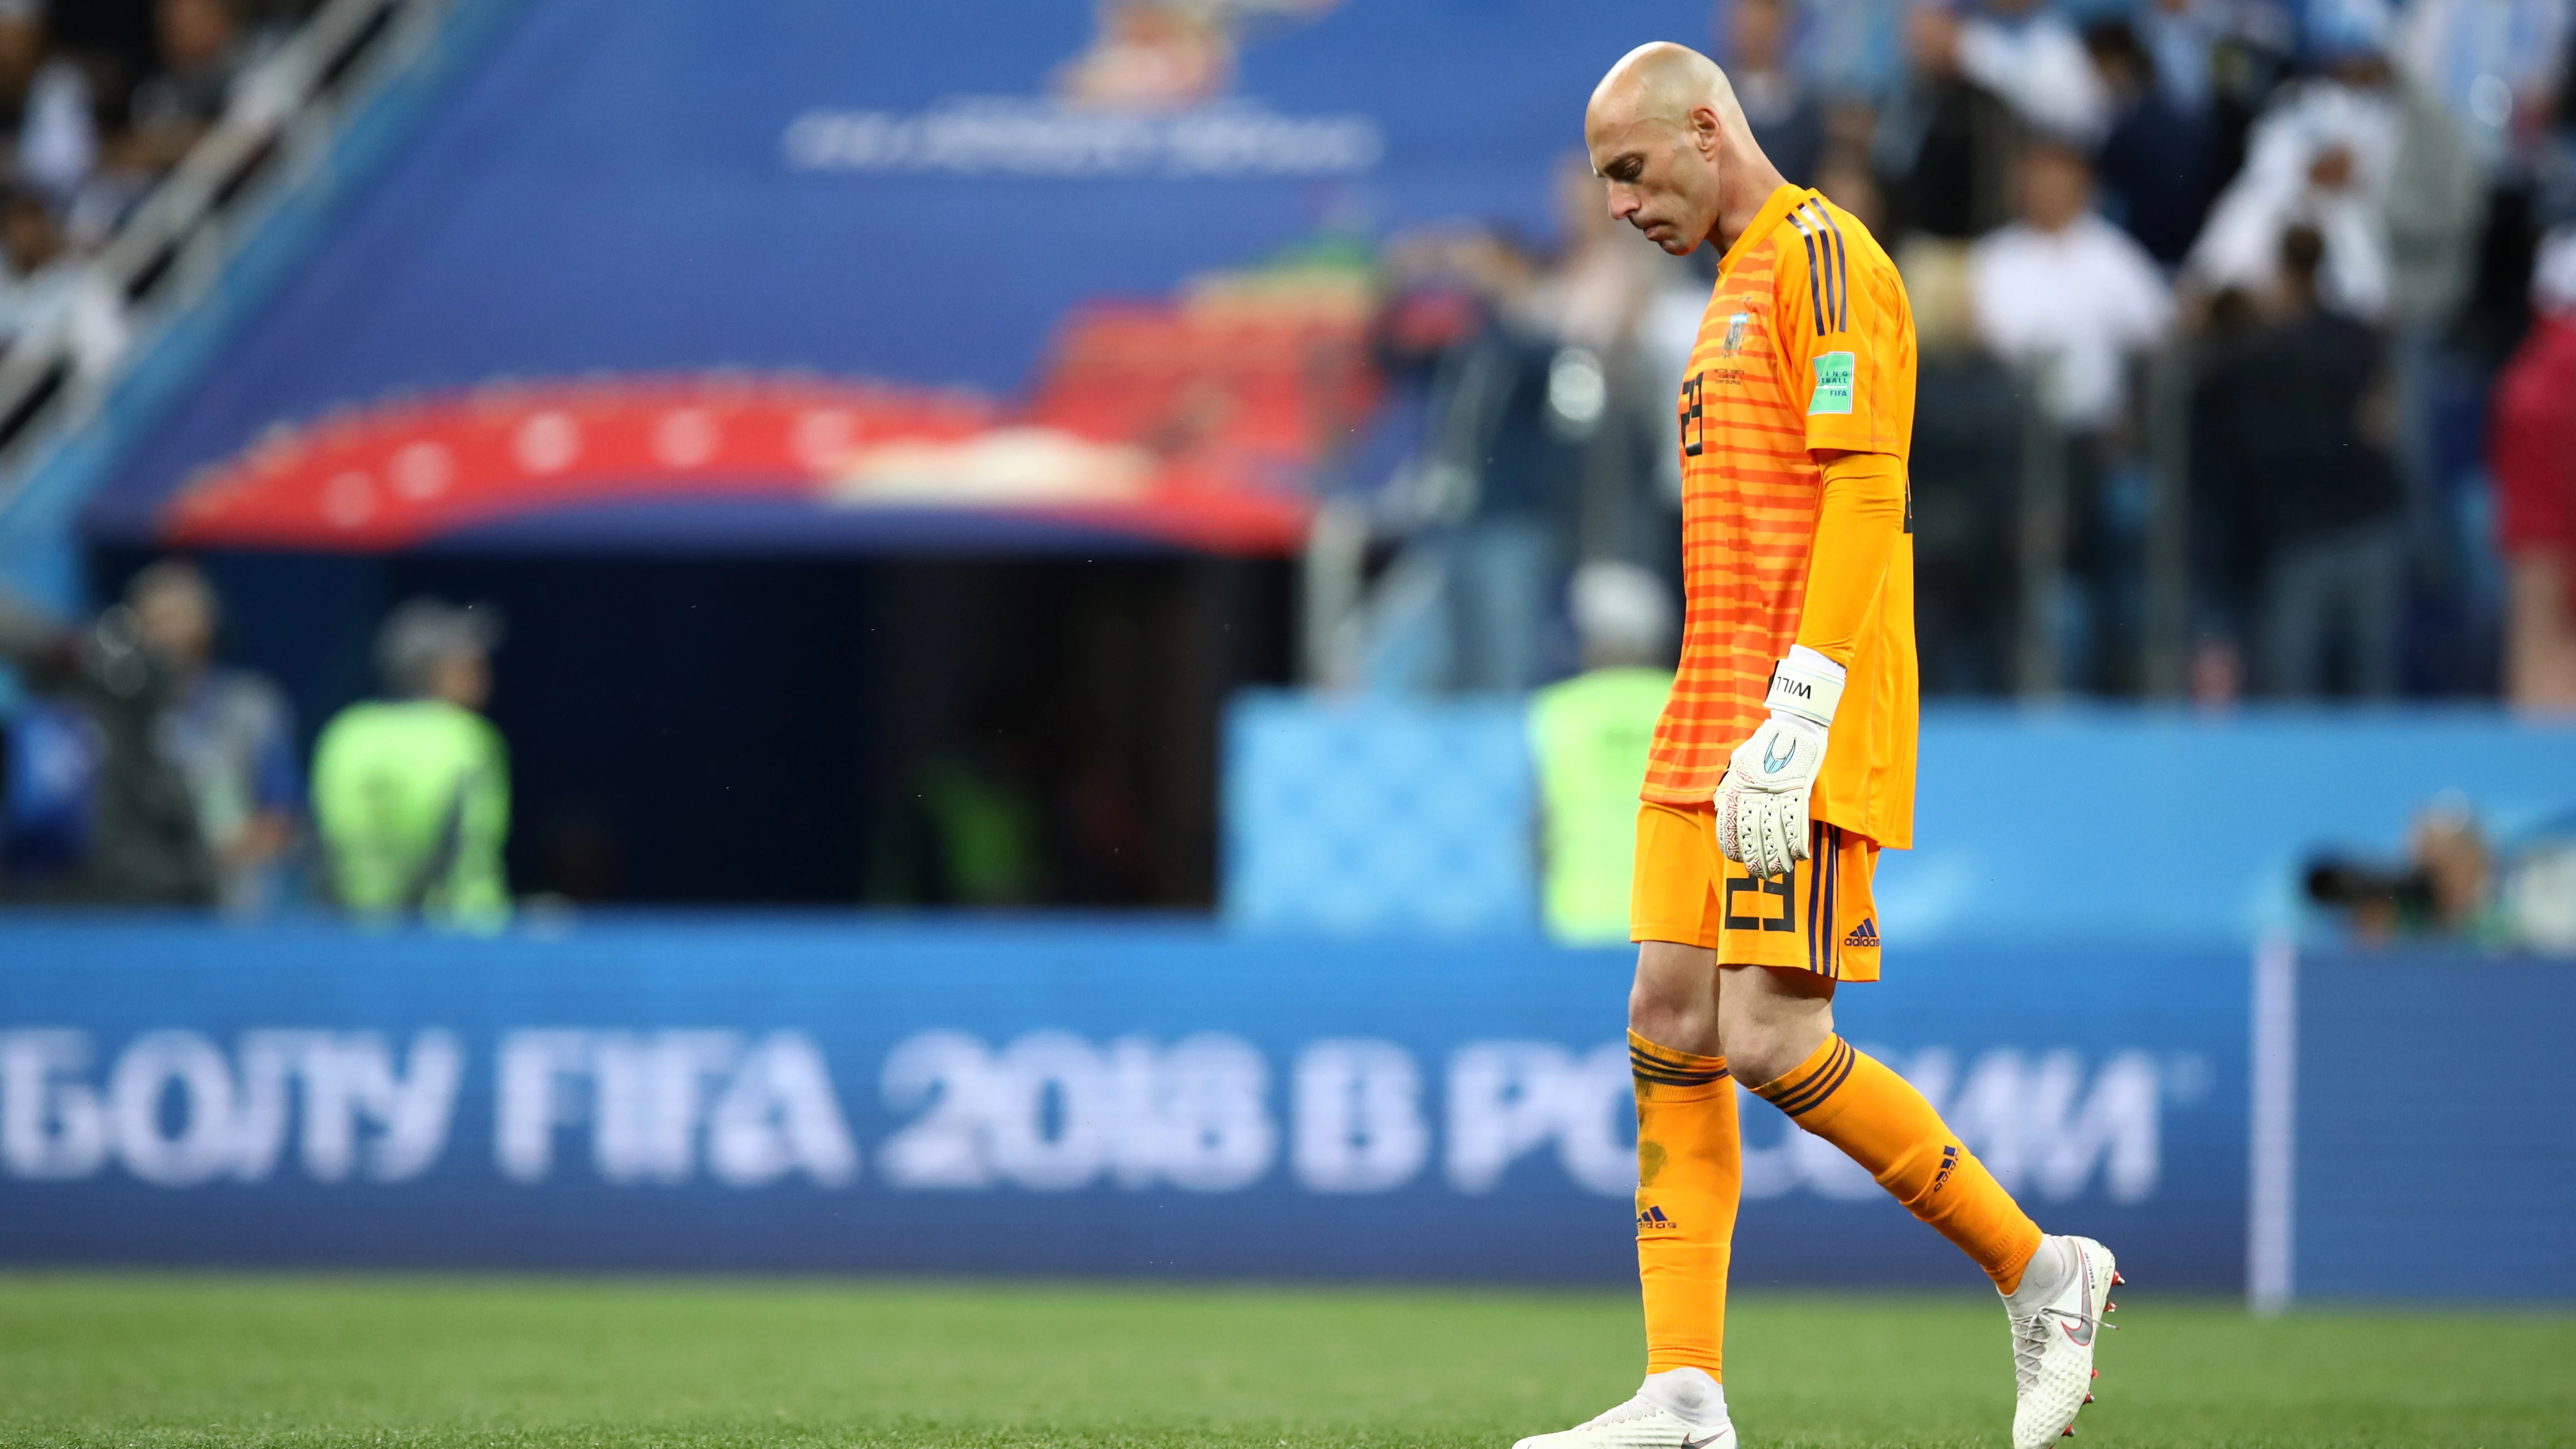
(1690, 1171)
(1882, 1123)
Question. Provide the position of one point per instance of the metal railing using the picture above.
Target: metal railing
(2167, 672)
(277, 127)
(2042, 528)
(2047, 520)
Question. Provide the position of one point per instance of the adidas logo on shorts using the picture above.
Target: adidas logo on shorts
(1863, 937)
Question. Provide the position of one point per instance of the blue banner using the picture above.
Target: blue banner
(2434, 1154)
(1066, 1098)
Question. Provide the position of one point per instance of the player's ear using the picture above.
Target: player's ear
(1708, 133)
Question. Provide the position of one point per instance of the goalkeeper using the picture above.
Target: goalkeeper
(1783, 761)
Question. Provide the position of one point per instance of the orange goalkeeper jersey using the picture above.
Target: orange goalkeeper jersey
(1807, 348)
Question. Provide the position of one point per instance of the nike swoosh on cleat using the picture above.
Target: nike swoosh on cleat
(1690, 1443)
(2084, 1269)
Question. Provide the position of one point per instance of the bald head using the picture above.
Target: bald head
(1663, 83)
(1664, 130)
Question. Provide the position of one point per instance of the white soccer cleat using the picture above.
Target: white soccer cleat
(2055, 1320)
(1679, 1408)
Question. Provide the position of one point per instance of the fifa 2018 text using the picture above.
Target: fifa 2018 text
(1048, 1111)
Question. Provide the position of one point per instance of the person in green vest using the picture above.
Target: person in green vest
(1589, 736)
(411, 794)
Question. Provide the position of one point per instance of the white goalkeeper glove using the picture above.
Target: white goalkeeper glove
(1762, 803)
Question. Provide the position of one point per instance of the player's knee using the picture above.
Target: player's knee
(1654, 1008)
(1674, 1000)
(1772, 1020)
(1668, 1013)
(1760, 1050)
(1755, 1058)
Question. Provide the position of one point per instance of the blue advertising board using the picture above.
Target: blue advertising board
(2434, 1155)
(1058, 1098)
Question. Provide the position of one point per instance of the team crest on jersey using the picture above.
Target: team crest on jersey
(1736, 327)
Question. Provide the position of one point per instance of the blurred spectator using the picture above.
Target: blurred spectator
(203, 54)
(42, 279)
(1943, 147)
(2067, 298)
(2436, 216)
(976, 832)
(22, 50)
(2533, 449)
(2319, 158)
(1966, 473)
(411, 795)
(1852, 50)
(1589, 737)
(2181, 37)
(1514, 414)
(2456, 882)
(2496, 65)
(2067, 294)
(2444, 888)
(126, 95)
(1966, 469)
(230, 732)
(122, 822)
(42, 284)
(2538, 889)
(57, 126)
(1844, 177)
(2025, 52)
(2156, 156)
(2254, 52)
(2375, 168)
(1520, 394)
(1787, 122)
(1611, 303)
(2299, 493)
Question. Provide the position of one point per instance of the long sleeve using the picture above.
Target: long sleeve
(1859, 524)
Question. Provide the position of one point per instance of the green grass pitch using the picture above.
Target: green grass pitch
(158, 1360)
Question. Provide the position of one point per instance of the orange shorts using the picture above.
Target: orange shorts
(1820, 919)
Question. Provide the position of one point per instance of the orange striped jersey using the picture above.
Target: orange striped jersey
(1807, 348)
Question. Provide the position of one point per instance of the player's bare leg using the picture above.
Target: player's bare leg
(1778, 1030)
(1689, 1170)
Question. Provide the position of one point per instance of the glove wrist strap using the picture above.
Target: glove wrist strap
(1807, 685)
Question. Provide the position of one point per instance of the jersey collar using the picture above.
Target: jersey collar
(1773, 210)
